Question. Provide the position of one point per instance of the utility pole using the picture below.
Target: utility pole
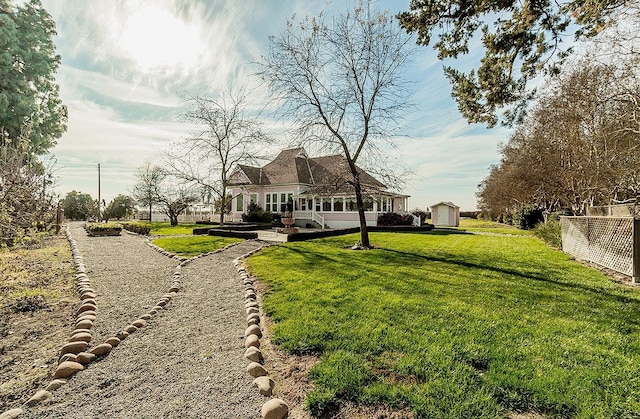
(99, 217)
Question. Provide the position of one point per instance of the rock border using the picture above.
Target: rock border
(274, 408)
(75, 355)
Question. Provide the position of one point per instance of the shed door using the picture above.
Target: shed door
(443, 216)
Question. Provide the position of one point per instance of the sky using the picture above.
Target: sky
(126, 63)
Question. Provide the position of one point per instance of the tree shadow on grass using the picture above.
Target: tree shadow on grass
(571, 286)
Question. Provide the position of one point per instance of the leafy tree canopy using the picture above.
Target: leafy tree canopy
(78, 206)
(121, 206)
(30, 106)
(521, 39)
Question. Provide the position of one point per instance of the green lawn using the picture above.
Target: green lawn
(166, 229)
(455, 325)
(195, 245)
(482, 226)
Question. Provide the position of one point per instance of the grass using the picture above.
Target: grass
(481, 226)
(195, 245)
(166, 229)
(455, 325)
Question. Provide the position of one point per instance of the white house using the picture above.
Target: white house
(315, 189)
(445, 214)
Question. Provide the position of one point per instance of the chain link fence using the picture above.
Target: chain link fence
(611, 242)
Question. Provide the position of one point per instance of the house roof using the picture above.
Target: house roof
(295, 166)
(447, 203)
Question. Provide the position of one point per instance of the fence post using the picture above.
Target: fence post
(636, 251)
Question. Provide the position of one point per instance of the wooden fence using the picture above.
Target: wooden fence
(611, 242)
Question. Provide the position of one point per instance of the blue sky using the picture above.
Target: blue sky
(125, 62)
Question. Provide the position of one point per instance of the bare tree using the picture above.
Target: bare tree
(175, 199)
(147, 190)
(227, 135)
(26, 198)
(341, 81)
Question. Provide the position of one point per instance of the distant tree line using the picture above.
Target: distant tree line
(578, 147)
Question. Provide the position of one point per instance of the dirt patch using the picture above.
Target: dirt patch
(37, 301)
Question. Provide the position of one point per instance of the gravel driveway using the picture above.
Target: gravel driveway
(186, 362)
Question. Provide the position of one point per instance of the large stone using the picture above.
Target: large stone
(86, 307)
(41, 396)
(84, 337)
(102, 349)
(251, 310)
(122, 335)
(84, 324)
(90, 317)
(68, 357)
(113, 341)
(256, 370)
(87, 295)
(145, 316)
(73, 347)
(275, 409)
(88, 301)
(252, 340)
(253, 354)
(130, 329)
(11, 414)
(140, 323)
(252, 321)
(56, 384)
(253, 330)
(67, 369)
(85, 358)
(265, 385)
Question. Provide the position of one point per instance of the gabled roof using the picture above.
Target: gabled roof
(293, 166)
(447, 203)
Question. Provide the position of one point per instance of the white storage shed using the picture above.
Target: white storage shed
(445, 214)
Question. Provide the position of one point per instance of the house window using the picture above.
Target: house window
(368, 204)
(271, 202)
(350, 204)
(385, 204)
(318, 204)
(338, 204)
(302, 204)
(326, 205)
(253, 198)
(240, 203)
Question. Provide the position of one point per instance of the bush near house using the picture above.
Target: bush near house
(394, 219)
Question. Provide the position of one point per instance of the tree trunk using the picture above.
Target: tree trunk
(174, 220)
(223, 205)
(364, 233)
(150, 210)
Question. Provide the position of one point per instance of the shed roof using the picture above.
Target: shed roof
(447, 203)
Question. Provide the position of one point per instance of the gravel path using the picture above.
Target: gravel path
(186, 362)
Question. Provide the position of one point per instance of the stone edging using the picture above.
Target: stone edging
(274, 408)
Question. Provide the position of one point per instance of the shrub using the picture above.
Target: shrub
(394, 219)
(136, 228)
(424, 215)
(255, 214)
(470, 214)
(91, 227)
(550, 232)
(527, 217)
